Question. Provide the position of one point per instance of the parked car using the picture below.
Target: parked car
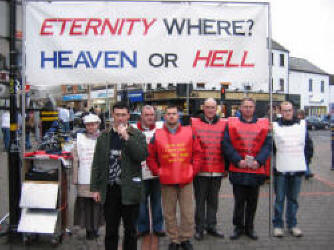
(314, 123)
(326, 120)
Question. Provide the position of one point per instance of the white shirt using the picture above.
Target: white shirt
(5, 120)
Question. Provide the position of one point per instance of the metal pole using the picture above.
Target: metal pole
(13, 158)
(188, 90)
(271, 119)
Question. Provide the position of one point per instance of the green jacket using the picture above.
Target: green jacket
(134, 151)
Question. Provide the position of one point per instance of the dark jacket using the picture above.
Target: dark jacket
(308, 149)
(247, 179)
(134, 151)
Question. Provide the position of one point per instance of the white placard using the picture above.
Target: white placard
(36, 195)
(96, 42)
(38, 221)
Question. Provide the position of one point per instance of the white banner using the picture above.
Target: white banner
(99, 42)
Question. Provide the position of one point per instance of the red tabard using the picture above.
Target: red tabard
(210, 137)
(175, 155)
(247, 139)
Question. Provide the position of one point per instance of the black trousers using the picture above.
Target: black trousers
(114, 211)
(206, 196)
(245, 203)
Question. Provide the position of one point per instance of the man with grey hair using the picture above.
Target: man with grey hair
(210, 130)
(151, 184)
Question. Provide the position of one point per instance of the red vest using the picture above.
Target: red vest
(247, 139)
(174, 153)
(210, 137)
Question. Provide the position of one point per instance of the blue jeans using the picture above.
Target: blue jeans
(286, 186)
(6, 137)
(152, 189)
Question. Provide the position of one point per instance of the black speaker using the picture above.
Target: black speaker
(181, 89)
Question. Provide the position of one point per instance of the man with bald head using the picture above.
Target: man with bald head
(210, 130)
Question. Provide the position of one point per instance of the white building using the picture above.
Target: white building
(280, 68)
(312, 83)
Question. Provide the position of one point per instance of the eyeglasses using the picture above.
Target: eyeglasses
(286, 110)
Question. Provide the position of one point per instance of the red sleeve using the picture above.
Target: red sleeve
(197, 154)
(152, 159)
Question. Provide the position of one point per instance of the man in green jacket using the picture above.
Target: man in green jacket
(116, 177)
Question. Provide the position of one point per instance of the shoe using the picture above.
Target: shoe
(215, 233)
(142, 234)
(252, 234)
(199, 236)
(295, 231)
(237, 232)
(90, 235)
(160, 234)
(173, 246)
(186, 245)
(278, 232)
(96, 233)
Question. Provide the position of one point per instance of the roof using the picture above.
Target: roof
(275, 45)
(301, 64)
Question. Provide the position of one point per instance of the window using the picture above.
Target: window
(310, 85)
(272, 58)
(159, 85)
(170, 86)
(322, 87)
(149, 86)
(281, 84)
(200, 85)
(281, 60)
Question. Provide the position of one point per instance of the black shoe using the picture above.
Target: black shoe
(160, 234)
(216, 233)
(237, 232)
(199, 236)
(96, 233)
(173, 246)
(141, 234)
(186, 245)
(252, 234)
(90, 235)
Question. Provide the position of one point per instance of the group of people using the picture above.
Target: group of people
(126, 169)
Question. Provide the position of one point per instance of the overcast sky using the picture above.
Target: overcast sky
(306, 29)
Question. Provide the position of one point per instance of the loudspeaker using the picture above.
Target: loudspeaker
(181, 89)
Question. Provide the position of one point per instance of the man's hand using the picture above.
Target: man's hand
(242, 164)
(96, 197)
(254, 165)
(122, 132)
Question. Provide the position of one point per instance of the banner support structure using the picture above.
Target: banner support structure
(13, 156)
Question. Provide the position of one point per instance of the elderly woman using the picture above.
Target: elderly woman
(87, 213)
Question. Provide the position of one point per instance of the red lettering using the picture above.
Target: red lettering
(111, 29)
(121, 27)
(46, 26)
(63, 25)
(243, 61)
(148, 25)
(206, 59)
(91, 25)
(216, 57)
(132, 22)
(228, 64)
(76, 25)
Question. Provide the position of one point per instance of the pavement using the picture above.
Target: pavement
(315, 215)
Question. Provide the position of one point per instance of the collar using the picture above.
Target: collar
(203, 119)
(140, 127)
(254, 119)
